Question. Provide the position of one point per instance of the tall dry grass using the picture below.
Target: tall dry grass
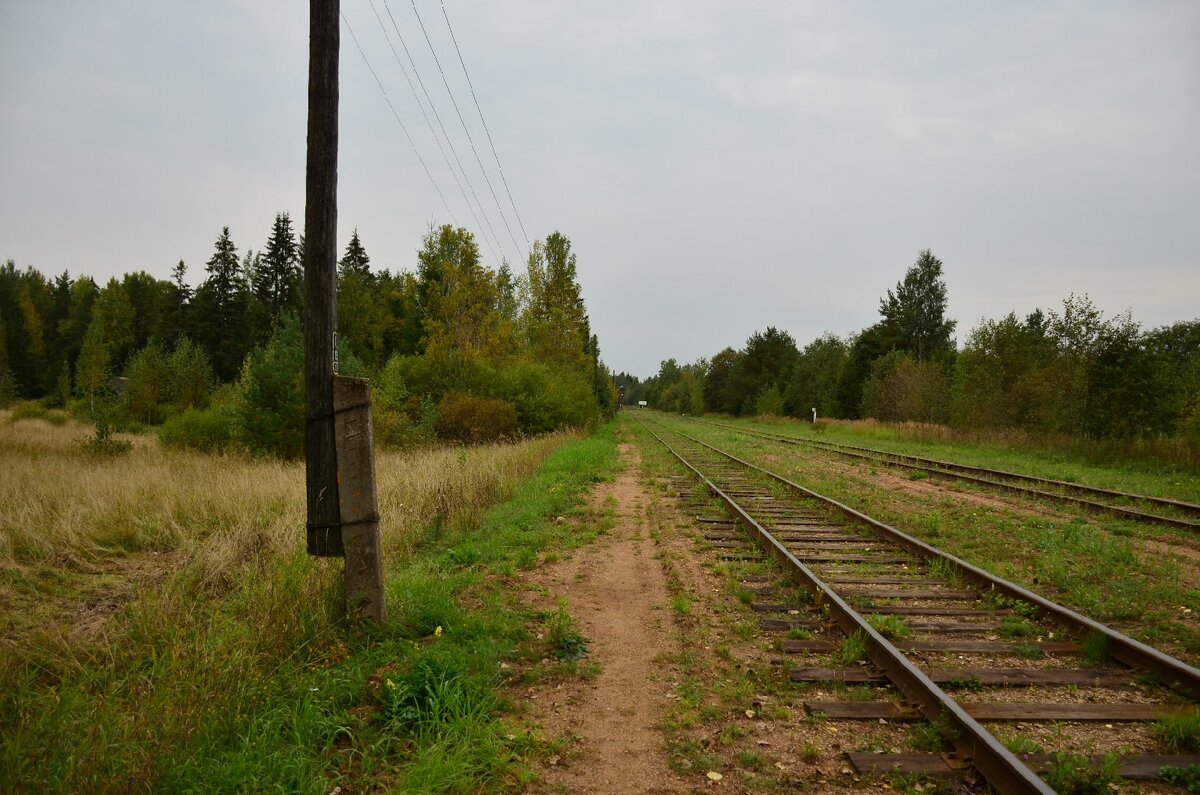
(141, 592)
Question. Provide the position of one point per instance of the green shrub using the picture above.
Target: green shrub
(148, 374)
(8, 387)
(32, 410)
(470, 418)
(546, 398)
(1187, 778)
(209, 430)
(270, 411)
(190, 376)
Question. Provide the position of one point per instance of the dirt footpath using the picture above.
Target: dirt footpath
(616, 590)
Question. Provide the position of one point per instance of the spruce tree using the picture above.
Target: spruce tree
(221, 309)
(276, 280)
(355, 260)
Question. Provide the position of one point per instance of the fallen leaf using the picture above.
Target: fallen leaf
(749, 713)
(714, 775)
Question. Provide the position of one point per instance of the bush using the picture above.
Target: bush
(148, 373)
(546, 399)
(470, 418)
(209, 430)
(270, 411)
(190, 376)
(8, 387)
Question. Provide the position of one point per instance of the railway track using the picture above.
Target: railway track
(954, 641)
(1185, 514)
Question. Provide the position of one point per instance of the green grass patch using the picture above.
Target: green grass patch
(1179, 733)
(413, 705)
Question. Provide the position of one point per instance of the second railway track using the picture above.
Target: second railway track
(956, 642)
(1137, 507)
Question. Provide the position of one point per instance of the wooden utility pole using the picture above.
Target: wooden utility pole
(339, 451)
(320, 279)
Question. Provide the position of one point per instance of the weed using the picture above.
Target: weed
(1095, 648)
(929, 737)
(810, 753)
(1073, 774)
(942, 569)
(1012, 627)
(1186, 777)
(1028, 651)
(565, 641)
(1023, 745)
(681, 604)
(1180, 733)
(688, 756)
(751, 760)
(731, 734)
(798, 633)
(891, 627)
(859, 693)
(853, 650)
(969, 684)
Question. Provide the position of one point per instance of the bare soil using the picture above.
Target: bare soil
(616, 590)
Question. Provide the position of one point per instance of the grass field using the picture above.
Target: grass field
(164, 630)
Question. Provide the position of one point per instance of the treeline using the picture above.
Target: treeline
(1064, 371)
(455, 349)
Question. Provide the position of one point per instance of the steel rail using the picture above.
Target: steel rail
(1002, 769)
(1171, 672)
(972, 474)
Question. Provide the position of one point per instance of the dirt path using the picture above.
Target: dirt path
(617, 591)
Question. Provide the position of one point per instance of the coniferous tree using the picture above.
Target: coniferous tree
(177, 296)
(355, 260)
(276, 280)
(221, 309)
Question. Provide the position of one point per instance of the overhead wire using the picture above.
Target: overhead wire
(483, 121)
(479, 225)
(466, 130)
(396, 115)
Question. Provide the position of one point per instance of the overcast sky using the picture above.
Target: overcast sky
(719, 167)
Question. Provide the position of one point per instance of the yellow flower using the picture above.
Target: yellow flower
(437, 633)
(391, 685)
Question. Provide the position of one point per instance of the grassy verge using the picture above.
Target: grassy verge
(1128, 468)
(164, 630)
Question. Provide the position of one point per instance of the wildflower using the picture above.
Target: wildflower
(437, 633)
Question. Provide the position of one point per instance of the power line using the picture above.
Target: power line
(483, 121)
(428, 123)
(396, 115)
(470, 140)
